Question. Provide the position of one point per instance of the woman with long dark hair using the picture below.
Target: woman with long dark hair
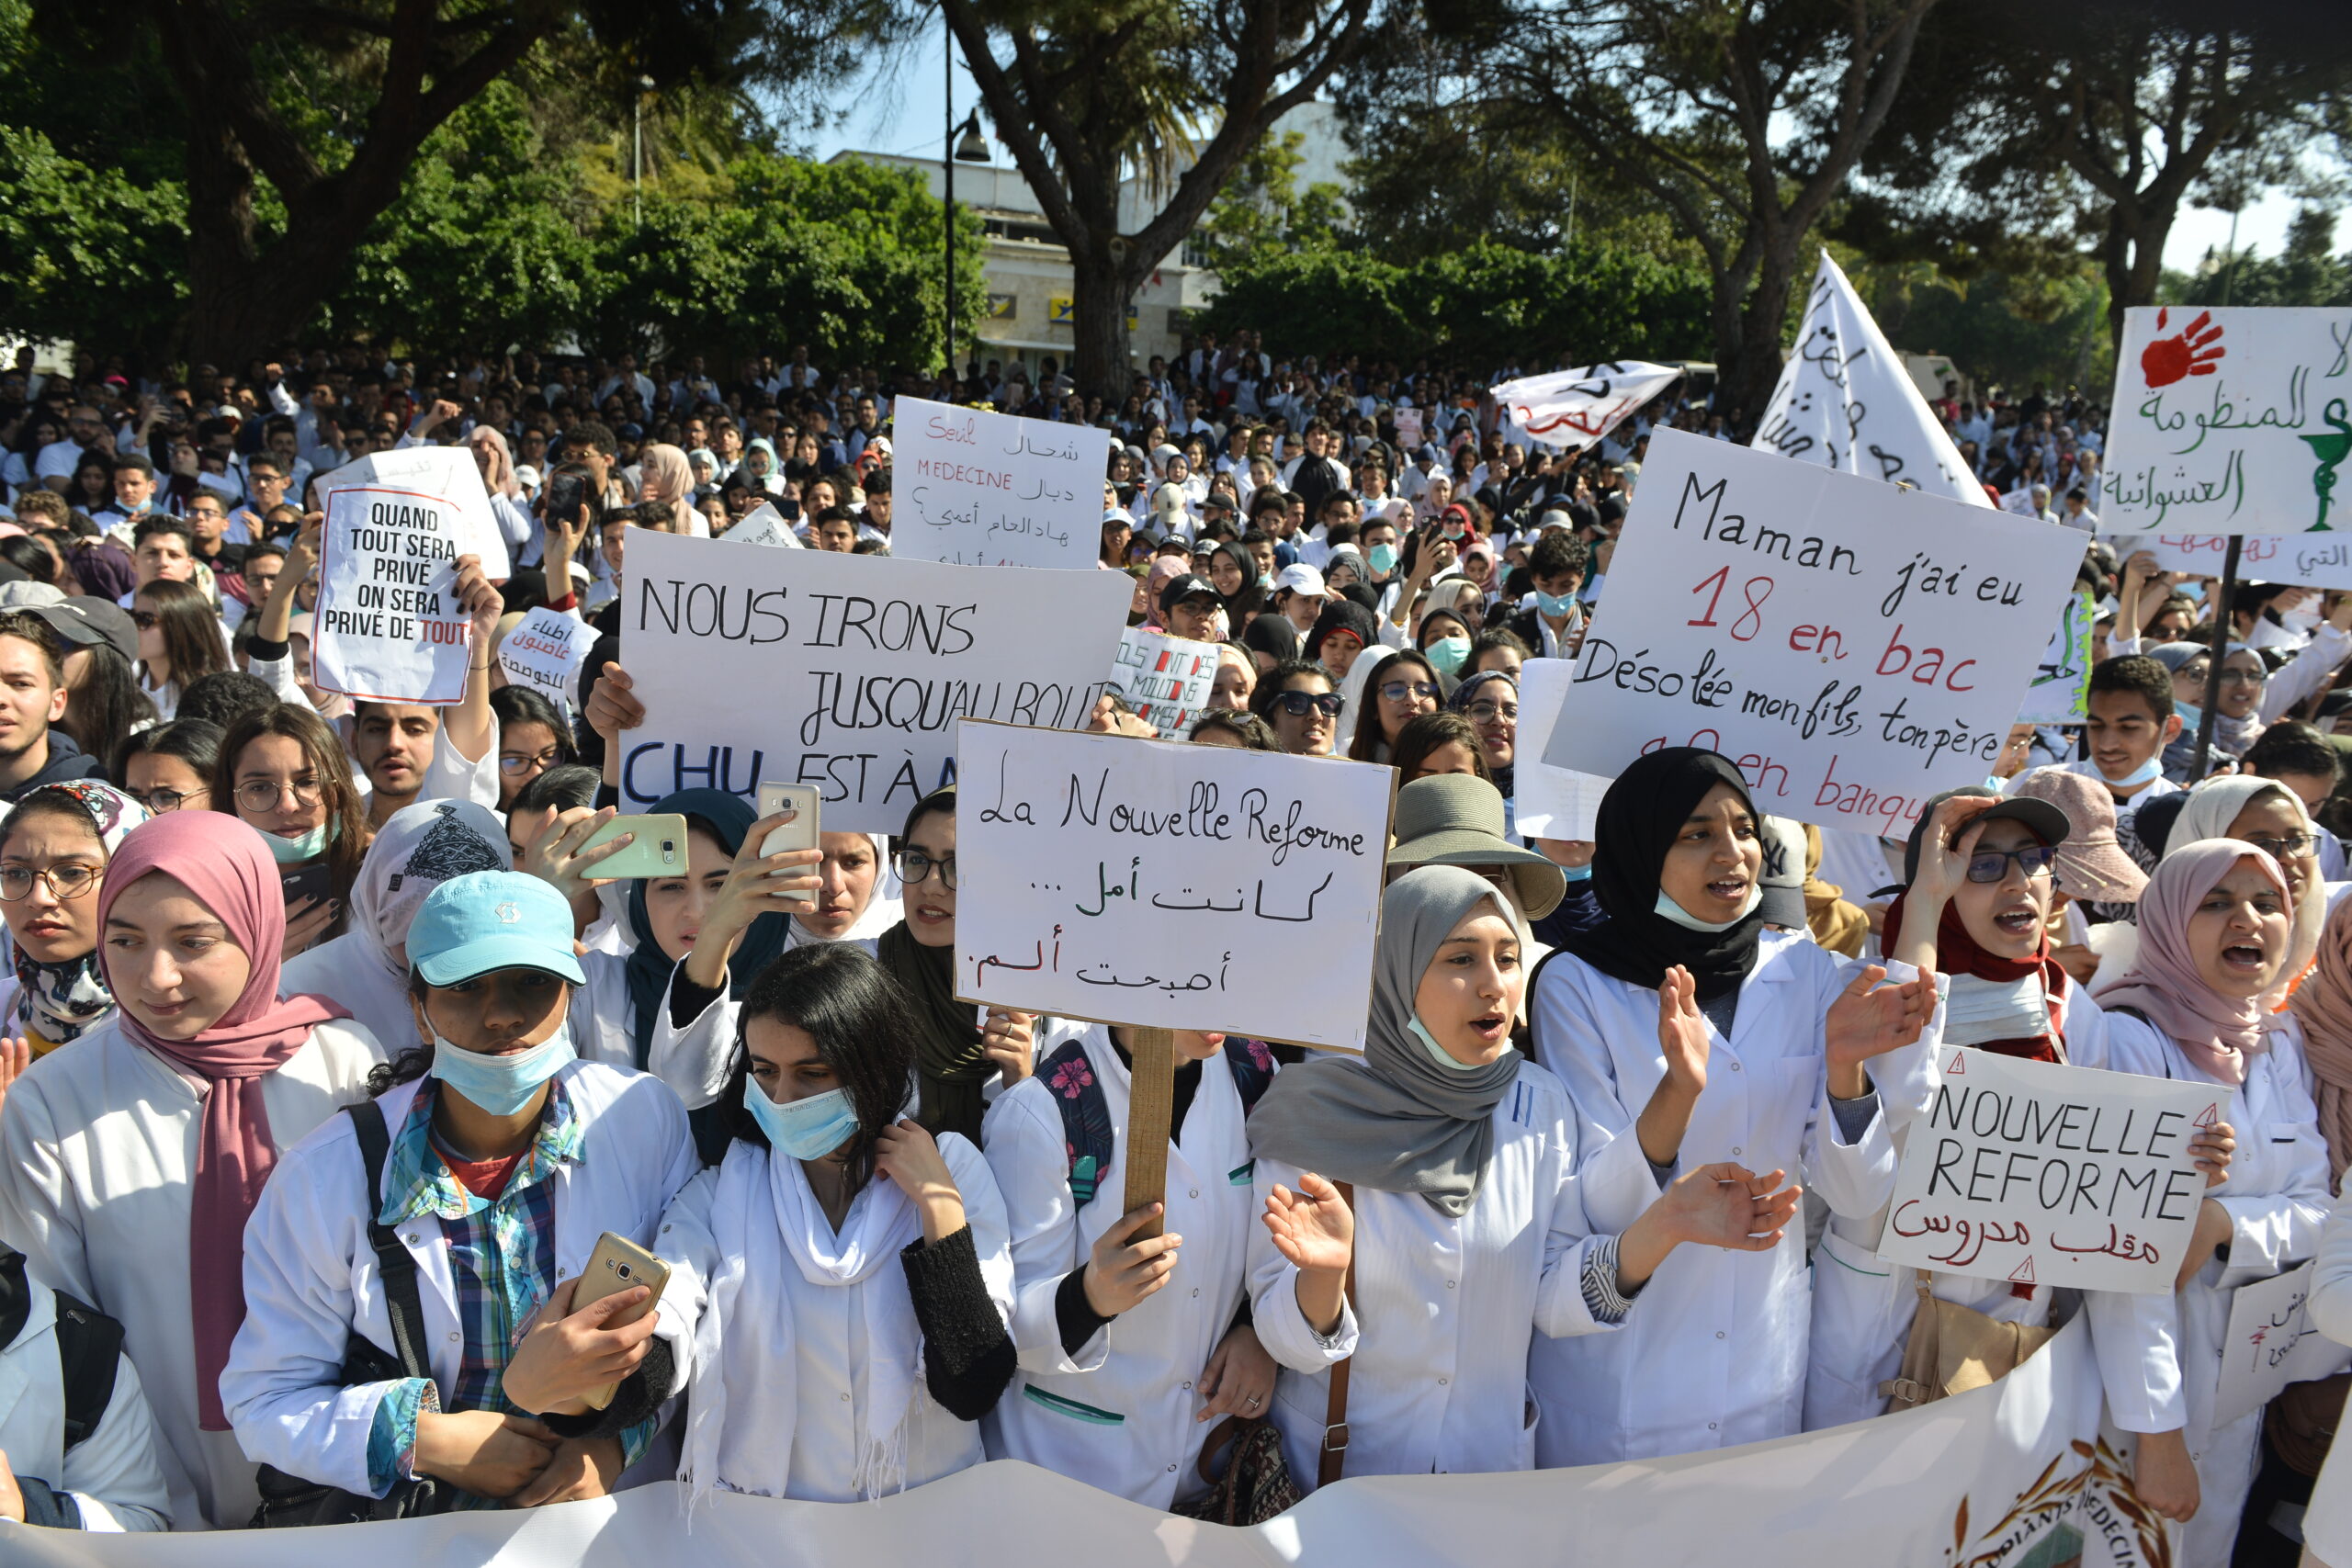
(286, 774)
(179, 641)
(1401, 688)
(104, 704)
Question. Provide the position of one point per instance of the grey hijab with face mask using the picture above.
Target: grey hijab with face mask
(1394, 1119)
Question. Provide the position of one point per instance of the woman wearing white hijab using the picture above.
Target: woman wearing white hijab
(508, 503)
(2268, 814)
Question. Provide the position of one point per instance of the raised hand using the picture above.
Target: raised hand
(1682, 1031)
(1866, 1021)
(1312, 1227)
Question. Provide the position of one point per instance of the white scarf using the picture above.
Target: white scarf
(1976, 1010)
(763, 1211)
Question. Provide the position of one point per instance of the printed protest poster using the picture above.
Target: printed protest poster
(1854, 647)
(1845, 400)
(982, 489)
(546, 651)
(845, 671)
(2307, 560)
(2234, 420)
(2049, 1175)
(2060, 691)
(2271, 1343)
(1168, 678)
(388, 625)
(1550, 803)
(764, 524)
(1166, 884)
(1570, 409)
(448, 475)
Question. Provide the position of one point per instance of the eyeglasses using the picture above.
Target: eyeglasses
(169, 799)
(1486, 712)
(542, 760)
(1992, 866)
(915, 867)
(2242, 678)
(1397, 691)
(263, 794)
(146, 620)
(2292, 847)
(62, 881)
(1299, 704)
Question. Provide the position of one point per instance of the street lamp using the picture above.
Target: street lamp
(637, 150)
(973, 148)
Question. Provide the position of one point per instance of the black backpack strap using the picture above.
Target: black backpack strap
(1087, 1133)
(403, 1305)
(89, 1347)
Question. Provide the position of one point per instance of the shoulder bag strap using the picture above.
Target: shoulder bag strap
(1333, 1460)
(393, 1264)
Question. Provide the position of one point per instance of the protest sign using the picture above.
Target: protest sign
(1549, 802)
(389, 627)
(1167, 678)
(2060, 691)
(2229, 421)
(1569, 410)
(845, 671)
(982, 489)
(546, 651)
(2048, 1175)
(764, 524)
(1854, 647)
(2307, 560)
(2270, 1343)
(1845, 400)
(1166, 884)
(446, 475)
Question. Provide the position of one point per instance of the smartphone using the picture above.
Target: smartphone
(803, 802)
(657, 847)
(618, 1264)
(308, 882)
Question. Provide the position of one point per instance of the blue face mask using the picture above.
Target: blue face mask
(805, 1129)
(1555, 605)
(1577, 873)
(1447, 653)
(500, 1085)
(2146, 772)
(1383, 558)
(302, 850)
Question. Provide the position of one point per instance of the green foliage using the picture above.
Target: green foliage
(84, 253)
(1262, 212)
(2016, 332)
(2306, 272)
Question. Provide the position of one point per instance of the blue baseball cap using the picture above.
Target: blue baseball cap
(487, 920)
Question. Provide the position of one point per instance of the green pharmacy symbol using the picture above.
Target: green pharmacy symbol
(2331, 451)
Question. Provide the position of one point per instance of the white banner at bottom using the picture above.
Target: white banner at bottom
(2016, 1475)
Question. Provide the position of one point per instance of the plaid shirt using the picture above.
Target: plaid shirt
(501, 1264)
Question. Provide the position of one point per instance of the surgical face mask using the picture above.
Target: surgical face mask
(2146, 772)
(1438, 1053)
(500, 1085)
(1447, 653)
(1383, 557)
(1266, 580)
(805, 1129)
(1669, 909)
(299, 852)
(1555, 605)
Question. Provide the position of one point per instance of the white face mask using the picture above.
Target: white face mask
(1671, 910)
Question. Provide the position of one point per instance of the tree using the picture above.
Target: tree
(1088, 94)
(1263, 210)
(2306, 272)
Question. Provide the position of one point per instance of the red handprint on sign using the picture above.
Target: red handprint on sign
(2189, 352)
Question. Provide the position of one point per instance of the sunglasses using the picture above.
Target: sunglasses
(1397, 691)
(145, 620)
(1992, 866)
(1299, 704)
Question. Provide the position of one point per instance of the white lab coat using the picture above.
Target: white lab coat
(312, 1279)
(831, 1374)
(97, 1177)
(1714, 1354)
(2327, 1527)
(1443, 1309)
(2278, 1199)
(1137, 1373)
(113, 1475)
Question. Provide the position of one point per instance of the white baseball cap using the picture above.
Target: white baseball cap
(1300, 578)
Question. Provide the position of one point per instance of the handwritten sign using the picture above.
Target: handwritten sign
(389, 627)
(546, 651)
(2060, 691)
(2307, 560)
(1845, 400)
(2049, 1175)
(447, 475)
(764, 524)
(1569, 410)
(981, 489)
(2234, 420)
(1549, 802)
(1167, 678)
(845, 671)
(2271, 1342)
(1175, 886)
(1852, 647)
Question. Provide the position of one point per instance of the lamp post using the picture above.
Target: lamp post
(637, 151)
(973, 148)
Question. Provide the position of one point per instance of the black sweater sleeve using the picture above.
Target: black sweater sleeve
(640, 1396)
(967, 1356)
(688, 1001)
(1074, 1315)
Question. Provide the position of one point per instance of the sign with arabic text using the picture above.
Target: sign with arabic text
(2234, 420)
(2271, 1342)
(1166, 884)
(2042, 1174)
(2060, 691)
(981, 489)
(2307, 560)
(1569, 410)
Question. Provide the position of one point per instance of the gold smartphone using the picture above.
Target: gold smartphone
(804, 801)
(618, 1264)
(657, 847)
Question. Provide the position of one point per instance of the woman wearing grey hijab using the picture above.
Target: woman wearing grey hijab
(1464, 1224)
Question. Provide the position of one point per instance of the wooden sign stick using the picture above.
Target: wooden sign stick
(1151, 1098)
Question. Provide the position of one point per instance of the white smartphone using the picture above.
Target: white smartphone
(800, 833)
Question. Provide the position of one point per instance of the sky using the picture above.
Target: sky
(903, 113)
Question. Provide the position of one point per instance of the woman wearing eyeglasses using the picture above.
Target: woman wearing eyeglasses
(1401, 688)
(169, 768)
(532, 737)
(288, 777)
(1296, 699)
(1489, 700)
(53, 852)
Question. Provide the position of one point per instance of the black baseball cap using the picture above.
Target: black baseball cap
(2048, 823)
(87, 621)
(1179, 588)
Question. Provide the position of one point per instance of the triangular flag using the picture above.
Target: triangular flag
(2023, 1274)
(2208, 1116)
(1955, 1067)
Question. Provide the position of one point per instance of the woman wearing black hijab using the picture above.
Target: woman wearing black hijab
(1688, 1033)
(1235, 577)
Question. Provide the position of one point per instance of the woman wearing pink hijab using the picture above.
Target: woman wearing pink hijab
(665, 478)
(508, 503)
(2202, 1004)
(130, 1161)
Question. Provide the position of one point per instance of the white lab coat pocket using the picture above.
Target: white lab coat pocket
(1860, 1314)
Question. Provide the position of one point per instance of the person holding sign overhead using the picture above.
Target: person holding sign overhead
(1687, 1030)
(1438, 1170)
(2200, 1005)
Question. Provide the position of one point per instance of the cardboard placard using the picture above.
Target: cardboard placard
(981, 489)
(1853, 646)
(2060, 691)
(2042, 1174)
(389, 627)
(1167, 885)
(546, 651)
(2270, 1343)
(845, 671)
(2307, 560)
(446, 474)
(1168, 678)
(1549, 802)
(764, 524)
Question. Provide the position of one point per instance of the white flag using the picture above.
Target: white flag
(1573, 409)
(1845, 400)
